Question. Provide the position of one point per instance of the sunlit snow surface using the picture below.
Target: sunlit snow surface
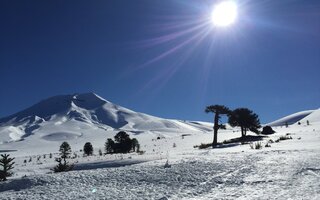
(289, 169)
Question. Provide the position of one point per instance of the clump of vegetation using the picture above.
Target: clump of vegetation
(256, 145)
(63, 165)
(167, 165)
(267, 130)
(7, 166)
(267, 145)
(100, 152)
(141, 152)
(285, 137)
(203, 145)
(122, 144)
(88, 149)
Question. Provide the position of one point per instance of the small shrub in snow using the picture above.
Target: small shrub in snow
(100, 152)
(75, 155)
(50, 155)
(167, 165)
(270, 141)
(7, 165)
(285, 137)
(141, 152)
(25, 161)
(203, 146)
(267, 145)
(256, 145)
(30, 159)
(174, 145)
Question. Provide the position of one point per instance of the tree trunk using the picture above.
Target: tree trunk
(215, 129)
(242, 132)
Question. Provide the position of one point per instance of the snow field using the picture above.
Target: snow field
(287, 170)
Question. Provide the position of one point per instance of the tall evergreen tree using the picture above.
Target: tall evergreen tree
(246, 119)
(109, 146)
(7, 166)
(65, 151)
(218, 110)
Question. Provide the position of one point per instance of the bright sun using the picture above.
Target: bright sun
(225, 13)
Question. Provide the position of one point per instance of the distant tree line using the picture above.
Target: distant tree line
(122, 143)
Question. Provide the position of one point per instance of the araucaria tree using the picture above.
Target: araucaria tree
(88, 149)
(109, 146)
(246, 119)
(65, 151)
(122, 144)
(7, 165)
(135, 145)
(218, 111)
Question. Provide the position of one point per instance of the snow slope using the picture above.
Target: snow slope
(291, 119)
(312, 118)
(78, 118)
(286, 170)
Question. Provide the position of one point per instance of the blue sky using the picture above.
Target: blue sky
(163, 57)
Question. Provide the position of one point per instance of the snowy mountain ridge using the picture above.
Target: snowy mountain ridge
(68, 112)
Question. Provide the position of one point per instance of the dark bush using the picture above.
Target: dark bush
(88, 149)
(203, 145)
(267, 130)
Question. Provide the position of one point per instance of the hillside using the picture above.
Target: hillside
(82, 117)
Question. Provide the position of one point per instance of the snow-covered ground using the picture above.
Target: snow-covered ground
(289, 169)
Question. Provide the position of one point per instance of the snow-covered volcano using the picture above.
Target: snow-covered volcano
(65, 116)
